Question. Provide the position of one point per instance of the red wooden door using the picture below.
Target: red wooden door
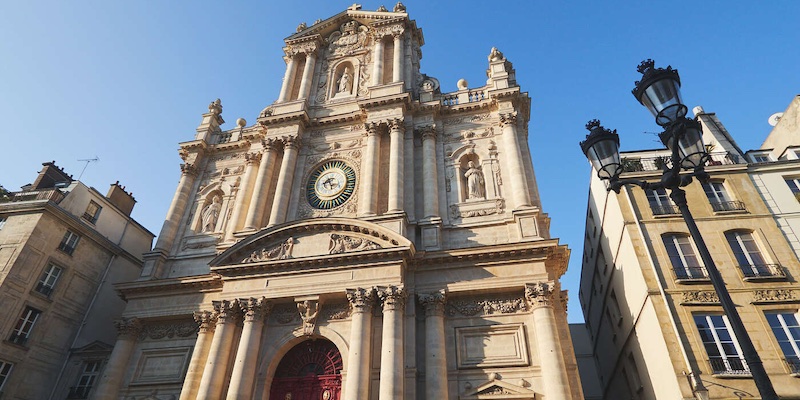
(309, 371)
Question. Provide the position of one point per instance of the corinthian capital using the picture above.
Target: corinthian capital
(226, 311)
(433, 302)
(128, 327)
(396, 124)
(540, 294)
(255, 310)
(392, 297)
(291, 141)
(206, 320)
(188, 169)
(427, 132)
(252, 158)
(361, 300)
(509, 118)
(372, 128)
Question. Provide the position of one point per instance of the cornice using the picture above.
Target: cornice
(237, 145)
(194, 145)
(353, 117)
(470, 107)
(539, 250)
(129, 290)
(284, 119)
(402, 98)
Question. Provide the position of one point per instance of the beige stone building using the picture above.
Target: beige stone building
(369, 237)
(62, 247)
(654, 320)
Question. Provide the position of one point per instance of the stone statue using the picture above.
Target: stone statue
(344, 82)
(495, 55)
(475, 183)
(211, 214)
(308, 313)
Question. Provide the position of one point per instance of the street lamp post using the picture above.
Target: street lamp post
(659, 91)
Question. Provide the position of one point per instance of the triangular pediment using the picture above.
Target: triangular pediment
(96, 347)
(325, 27)
(316, 240)
(497, 389)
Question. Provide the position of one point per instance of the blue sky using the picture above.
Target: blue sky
(128, 81)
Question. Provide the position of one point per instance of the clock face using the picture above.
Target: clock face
(330, 185)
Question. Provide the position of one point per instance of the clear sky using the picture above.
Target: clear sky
(126, 81)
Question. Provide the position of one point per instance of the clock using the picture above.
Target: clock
(330, 185)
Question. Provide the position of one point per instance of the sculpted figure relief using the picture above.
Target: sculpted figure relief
(475, 184)
(308, 313)
(210, 214)
(344, 82)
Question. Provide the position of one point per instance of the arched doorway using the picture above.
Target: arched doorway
(311, 370)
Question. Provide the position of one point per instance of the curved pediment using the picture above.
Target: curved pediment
(320, 237)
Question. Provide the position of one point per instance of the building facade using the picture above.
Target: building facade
(62, 247)
(369, 237)
(654, 320)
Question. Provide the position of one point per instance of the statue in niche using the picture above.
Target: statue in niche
(344, 82)
(308, 313)
(475, 184)
(210, 214)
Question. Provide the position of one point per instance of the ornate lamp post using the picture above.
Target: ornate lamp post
(659, 91)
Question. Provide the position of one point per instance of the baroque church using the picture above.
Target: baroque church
(369, 237)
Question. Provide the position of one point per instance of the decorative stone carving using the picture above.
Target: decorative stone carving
(540, 294)
(392, 297)
(382, 9)
(188, 169)
(700, 297)
(282, 251)
(337, 311)
(391, 30)
(206, 321)
(476, 186)
(210, 214)
(775, 295)
(343, 244)
(508, 118)
(495, 55)
(427, 132)
(215, 107)
(351, 37)
(361, 300)
(160, 331)
(474, 306)
(128, 327)
(254, 309)
(226, 311)
(433, 302)
(477, 209)
(345, 83)
(285, 314)
(399, 7)
(308, 309)
(301, 27)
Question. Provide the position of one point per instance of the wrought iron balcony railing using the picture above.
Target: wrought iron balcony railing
(763, 272)
(79, 392)
(638, 164)
(794, 365)
(44, 289)
(733, 205)
(55, 195)
(18, 339)
(667, 209)
(691, 274)
(731, 366)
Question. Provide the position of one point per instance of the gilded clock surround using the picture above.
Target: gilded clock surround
(330, 185)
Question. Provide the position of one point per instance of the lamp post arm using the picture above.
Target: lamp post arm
(754, 363)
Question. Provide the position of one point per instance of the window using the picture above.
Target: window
(69, 242)
(749, 257)
(3, 221)
(615, 313)
(787, 332)
(660, 202)
(23, 329)
(48, 280)
(719, 199)
(684, 262)
(794, 186)
(92, 212)
(86, 381)
(723, 351)
(635, 381)
(760, 158)
(5, 371)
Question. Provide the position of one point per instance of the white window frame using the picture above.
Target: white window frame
(3, 221)
(5, 372)
(49, 279)
(88, 378)
(794, 186)
(659, 197)
(69, 242)
(752, 265)
(25, 324)
(716, 192)
(761, 157)
(726, 358)
(675, 241)
(785, 327)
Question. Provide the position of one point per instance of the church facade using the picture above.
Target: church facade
(369, 237)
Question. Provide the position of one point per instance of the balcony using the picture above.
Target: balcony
(667, 209)
(765, 272)
(66, 248)
(55, 195)
(79, 392)
(691, 275)
(18, 339)
(734, 205)
(44, 289)
(641, 164)
(731, 367)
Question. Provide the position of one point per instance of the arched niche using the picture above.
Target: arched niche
(344, 79)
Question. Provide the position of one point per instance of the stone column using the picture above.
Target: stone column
(280, 204)
(435, 350)
(392, 373)
(430, 189)
(396, 165)
(243, 197)
(409, 185)
(397, 69)
(513, 161)
(369, 181)
(308, 74)
(176, 208)
(216, 367)
(554, 371)
(357, 385)
(244, 368)
(377, 61)
(114, 372)
(288, 78)
(255, 214)
(207, 321)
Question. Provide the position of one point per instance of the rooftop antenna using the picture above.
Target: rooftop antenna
(87, 161)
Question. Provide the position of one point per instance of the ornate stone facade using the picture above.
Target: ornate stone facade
(369, 208)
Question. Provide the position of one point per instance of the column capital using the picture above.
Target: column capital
(433, 302)
(252, 158)
(509, 118)
(361, 299)
(188, 169)
(128, 328)
(309, 48)
(395, 31)
(206, 320)
(270, 144)
(291, 142)
(372, 128)
(392, 297)
(227, 311)
(255, 309)
(427, 132)
(396, 124)
(541, 294)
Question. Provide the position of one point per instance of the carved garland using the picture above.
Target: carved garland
(700, 297)
(476, 306)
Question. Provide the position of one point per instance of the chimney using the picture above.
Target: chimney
(51, 176)
(120, 198)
